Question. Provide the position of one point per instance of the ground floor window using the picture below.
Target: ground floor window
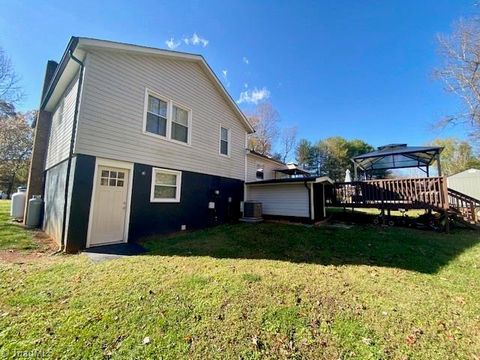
(166, 185)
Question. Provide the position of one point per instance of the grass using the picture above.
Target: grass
(12, 235)
(253, 291)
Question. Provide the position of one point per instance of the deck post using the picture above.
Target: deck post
(445, 204)
(383, 204)
(473, 216)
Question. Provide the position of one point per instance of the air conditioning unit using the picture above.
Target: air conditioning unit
(252, 209)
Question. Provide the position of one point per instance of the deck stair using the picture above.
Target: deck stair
(464, 206)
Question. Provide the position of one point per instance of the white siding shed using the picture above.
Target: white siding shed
(467, 182)
(281, 199)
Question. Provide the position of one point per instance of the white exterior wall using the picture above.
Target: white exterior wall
(112, 111)
(281, 199)
(467, 182)
(269, 166)
(61, 129)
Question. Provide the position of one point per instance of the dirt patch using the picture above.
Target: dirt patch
(46, 247)
(45, 242)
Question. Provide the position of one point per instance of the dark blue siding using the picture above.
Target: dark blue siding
(80, 203)
(197, 191)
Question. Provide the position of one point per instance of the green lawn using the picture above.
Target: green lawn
(254, 291)
(12, 235)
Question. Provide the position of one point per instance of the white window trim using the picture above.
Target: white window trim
(145, 112)
(170, 104)
(229, 132)
(189, 134)
(178, 186)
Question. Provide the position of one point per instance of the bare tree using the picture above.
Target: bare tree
(264, 120)
(16, 138)
(460, 72)
(288, 141)
(10, 92)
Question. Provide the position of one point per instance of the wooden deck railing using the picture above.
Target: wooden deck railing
(464, 204)
(411, 193)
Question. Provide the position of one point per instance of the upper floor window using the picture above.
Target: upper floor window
(180, 124)
(166, 119)
(156, 116)
(224, 141)
(259, 174)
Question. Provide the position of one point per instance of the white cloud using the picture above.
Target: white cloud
(245, 60)
(195, 40)
(172, 44)
(253, 96)
(225, 78)
(245, 85)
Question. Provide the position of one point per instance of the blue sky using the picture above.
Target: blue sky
(358, 69)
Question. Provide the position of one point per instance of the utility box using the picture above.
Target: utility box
(252, 209)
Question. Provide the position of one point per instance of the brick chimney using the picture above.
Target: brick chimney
(40, 141)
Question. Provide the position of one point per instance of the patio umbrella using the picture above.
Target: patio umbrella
(348, 177)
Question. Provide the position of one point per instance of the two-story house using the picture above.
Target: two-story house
(132, 141)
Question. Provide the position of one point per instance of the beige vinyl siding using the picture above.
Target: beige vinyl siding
(281, 199)
(112, 114)
(269, 166)
(61, 129)
(466, 182)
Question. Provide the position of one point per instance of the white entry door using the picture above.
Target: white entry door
(109, 206)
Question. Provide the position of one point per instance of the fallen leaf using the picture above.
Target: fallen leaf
(367, 341)
(256, 342)
(411, 339)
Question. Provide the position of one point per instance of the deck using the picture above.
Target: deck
(429, 193)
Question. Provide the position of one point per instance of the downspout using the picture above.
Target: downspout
(72, 145)
(309, 202)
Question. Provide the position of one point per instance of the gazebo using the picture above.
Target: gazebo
(292, 170)
(398, 156)
(428, 193)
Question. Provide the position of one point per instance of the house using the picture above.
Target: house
(466, 182)
(262, 167)
(132, 141)
(285, 190)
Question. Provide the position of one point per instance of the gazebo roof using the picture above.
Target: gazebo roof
(398, 156)
(292, 169)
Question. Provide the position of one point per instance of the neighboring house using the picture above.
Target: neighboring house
(132, 141)
(262, 167)
(466, 182)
